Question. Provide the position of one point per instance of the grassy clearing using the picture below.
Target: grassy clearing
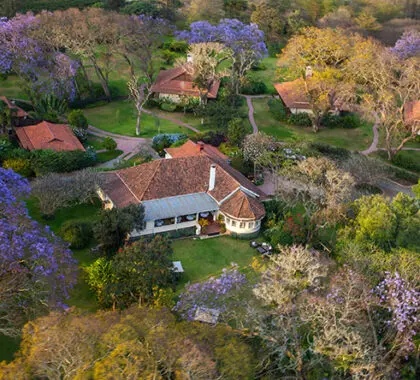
(81, 296)
(11, 88)
(268, 76)
(353, 139)
(108, 155)
(202, 258)
(120, 117)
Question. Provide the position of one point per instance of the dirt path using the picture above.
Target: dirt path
(251, 109)
(172, 119)
(374, 146)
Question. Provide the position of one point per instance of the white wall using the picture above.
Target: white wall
(242, 226)
(299, 110)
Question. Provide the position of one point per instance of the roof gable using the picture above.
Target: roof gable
(292, 94)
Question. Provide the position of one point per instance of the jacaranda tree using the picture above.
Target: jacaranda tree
(37, 269)
(244, 42)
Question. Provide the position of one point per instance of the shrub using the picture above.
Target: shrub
(77, 119)
(330, 151)
(76, 233)
(168, 57)
(169, 107)
(277, 109)
(210, 137)
(165, 140)
(240, 164)
(251, 86)
(21, 166)
(236, 131)
(178, 46)
(403, 160)
(334, 121)
(301, 119)
(109, 143)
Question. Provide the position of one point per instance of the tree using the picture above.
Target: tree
(388, 85)
(245, 43)
(138, 269)
(269, 20)
(5, 118)
(77, 119)
(114, 225)
(408, 45)
(56, 191)
(37, 270)
(203, 10)
(236, 132)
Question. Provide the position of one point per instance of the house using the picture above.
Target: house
(177, 83)
(17, 114)
(293, 96)
(177, 192)
(412, 112)
(46, 135)
(192, 149)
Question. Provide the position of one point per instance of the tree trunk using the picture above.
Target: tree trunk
(102, 79)
(89, 82)
(138, 122)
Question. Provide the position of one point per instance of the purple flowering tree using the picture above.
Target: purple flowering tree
(223, 293)
(37, 270)
(408, 45)
(42, 70)
(244, 42)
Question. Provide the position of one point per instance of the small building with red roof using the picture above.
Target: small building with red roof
(46, 135)
(18, 114)
(412, 112)
(177, 83)
(293, 96)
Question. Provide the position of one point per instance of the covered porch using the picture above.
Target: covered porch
(174, 213)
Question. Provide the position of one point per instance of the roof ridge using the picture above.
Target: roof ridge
(125, 184)
(159, 162)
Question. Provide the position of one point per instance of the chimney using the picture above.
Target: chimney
(190, 58)
(308, 72)
(200, 146)
(212, 180)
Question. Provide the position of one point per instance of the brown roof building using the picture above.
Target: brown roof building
(45, 135)
(412, 111)
(293, 96)
(172, 189)
(178, 81)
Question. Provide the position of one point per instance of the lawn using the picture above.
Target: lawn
(352, 139)
(202, 258)
(10, 88)
(120, 117)
(108, 155)
(81, 296)
(269, 75)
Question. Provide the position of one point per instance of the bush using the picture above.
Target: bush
(334, 121)
(77, 119)
(76, 233)
(301, 119)
(168, 57)
(21, 166)
(165, 140)
(109, 143)
(251, 86)
(48, 161)
(403, 160)
(240, 164)
(277, 109)
(169, 107)
(210, 137)
(330, 151)
(178, 46)
(236, 131)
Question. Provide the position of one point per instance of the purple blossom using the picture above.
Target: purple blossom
(37, 267)
(408, 45)
(216, 292)
(403, 302)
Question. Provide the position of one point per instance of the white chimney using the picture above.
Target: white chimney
(212, 180)
(308, 72)
(190, 58)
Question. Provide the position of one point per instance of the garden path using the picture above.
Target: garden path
(172, 119)
(251, 109)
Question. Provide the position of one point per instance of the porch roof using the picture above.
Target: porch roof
(178, 206)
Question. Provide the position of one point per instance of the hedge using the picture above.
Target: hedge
(76, 233)
(301, 119)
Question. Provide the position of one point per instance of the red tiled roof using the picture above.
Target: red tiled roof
(19, 111)
(167, 178)
(177, 81)
(412, 111)
(47, 135)
(242, 206)
(292, 94)
(191, 148)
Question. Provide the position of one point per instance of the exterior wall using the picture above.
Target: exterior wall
(241, 227)
(175, 98)
(299, 110)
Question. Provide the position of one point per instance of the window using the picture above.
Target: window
(242, 225)
(251, 225)
(233, 223)
(227, 221)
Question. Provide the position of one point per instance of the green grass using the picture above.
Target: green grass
(81, 296)
(269, 75)
(94, 142)
(108, 155)
(120, 117)
(202, 258)
(11, 88)
(352, 139)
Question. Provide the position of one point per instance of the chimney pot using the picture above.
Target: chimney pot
(200, 145)
(212, 180)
